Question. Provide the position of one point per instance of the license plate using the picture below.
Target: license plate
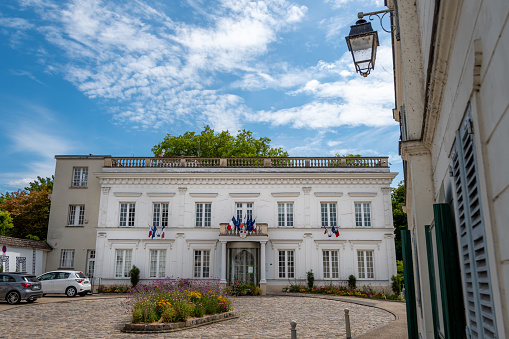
(37, 287)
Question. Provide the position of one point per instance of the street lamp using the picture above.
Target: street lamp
(363, 41)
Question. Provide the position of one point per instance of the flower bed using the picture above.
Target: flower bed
(170, 301)
(363, 292)
(113, 289)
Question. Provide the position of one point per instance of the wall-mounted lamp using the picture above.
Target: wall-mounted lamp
(363, 41)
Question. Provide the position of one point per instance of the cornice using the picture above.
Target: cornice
(362, 194)
(412, 148)
(328, 194)
(372, 180)
(203, 195)
(285, 194)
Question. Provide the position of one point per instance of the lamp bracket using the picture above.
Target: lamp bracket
(371, 15)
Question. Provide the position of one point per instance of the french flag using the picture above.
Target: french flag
(231, 224)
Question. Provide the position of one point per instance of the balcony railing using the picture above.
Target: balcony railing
(260, 162)
(261, 229)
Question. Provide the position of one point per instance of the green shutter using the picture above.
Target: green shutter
(432, 281)
(411, 305)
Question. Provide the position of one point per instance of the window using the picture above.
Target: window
(160, 214)
(67, 258)
(330, 264)
(244, 210)
(123, 263)
(365, 264)
(203, 214)
(362, 214)
(127, 212)
(472, 233)
(329, 214)
(80, 177)
(286, 264)
(285, 214)
(201, 264)
(90, 263)
(76, 215)
(21, 264)
(157, 263)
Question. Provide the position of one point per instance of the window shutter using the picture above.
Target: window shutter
(478, 289)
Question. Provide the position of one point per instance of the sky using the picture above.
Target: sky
(115, 77)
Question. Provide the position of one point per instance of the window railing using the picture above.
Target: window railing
(258, 162)
(261, 229)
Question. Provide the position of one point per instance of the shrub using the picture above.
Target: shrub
(238, 287)
(137, 315)
(396, 284)
(198, 311)
(352, 281)
(183, 310)
(311, 279)
(169, 315)
(134, 274)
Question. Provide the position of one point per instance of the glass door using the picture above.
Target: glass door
(243, 265)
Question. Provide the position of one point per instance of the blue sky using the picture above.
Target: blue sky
(114, 77)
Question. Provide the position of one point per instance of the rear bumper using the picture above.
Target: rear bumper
(32, 294)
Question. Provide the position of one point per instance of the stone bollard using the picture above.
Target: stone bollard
(293, 325)
(347, 324)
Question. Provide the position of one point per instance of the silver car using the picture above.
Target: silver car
(15, 287)
(68, 282)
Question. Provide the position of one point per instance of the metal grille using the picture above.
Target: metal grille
(21, 264)
(477, 277)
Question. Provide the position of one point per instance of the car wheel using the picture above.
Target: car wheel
(13, 298)
(70, 291)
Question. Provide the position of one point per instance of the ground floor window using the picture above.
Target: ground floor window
(157, 263)
(123, 263)
(365, 264)
(286, 264)
(67, 258)
(90, 263)
(201, 264)
(330, 264)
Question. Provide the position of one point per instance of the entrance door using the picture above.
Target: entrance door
(244, 265)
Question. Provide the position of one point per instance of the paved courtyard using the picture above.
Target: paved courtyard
(259, 317)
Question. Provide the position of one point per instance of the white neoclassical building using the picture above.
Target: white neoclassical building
(108, 214)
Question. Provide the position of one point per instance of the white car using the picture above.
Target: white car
(68, 282)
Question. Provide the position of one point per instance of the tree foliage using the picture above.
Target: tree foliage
(5, 222)
(41, 184)
(215, 145)
(29, 209)
(399, 217)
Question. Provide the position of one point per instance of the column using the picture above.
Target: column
(386, 192)
(307, 206)
(182, 205)
(263, 281)
(222, 282)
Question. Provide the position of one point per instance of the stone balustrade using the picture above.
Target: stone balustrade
(257, 162)
(261, 229)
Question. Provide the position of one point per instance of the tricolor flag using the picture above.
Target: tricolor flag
(231, 224)
(254, 225)
(152, 232)
(249, 224)
(325, 232)
(242, 223)
(162, 232)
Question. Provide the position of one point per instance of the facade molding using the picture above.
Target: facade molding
(285, 194)
(160, 195)
(328, 194)
(412, 148)
(127, 194)
(203, 195)
(362, 194)
(244, 195)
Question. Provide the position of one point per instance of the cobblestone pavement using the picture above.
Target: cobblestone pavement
(259, 317)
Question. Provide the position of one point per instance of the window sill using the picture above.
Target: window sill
(66, 269)
(75, 226)
(78, 187)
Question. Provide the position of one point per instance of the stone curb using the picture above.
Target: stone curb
(183, 325)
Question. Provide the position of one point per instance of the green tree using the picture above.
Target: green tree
(399, 217)
(215, 145)
(29, 209)
(5, 222)
(41, 184)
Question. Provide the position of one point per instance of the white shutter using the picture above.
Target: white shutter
(479, 303)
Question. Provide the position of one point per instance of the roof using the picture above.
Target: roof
(25, 243)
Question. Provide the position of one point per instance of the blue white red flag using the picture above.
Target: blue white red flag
(231, 224)
(254, 225)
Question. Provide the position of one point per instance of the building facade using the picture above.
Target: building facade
(22, 255)
(171, 218)
(451, 79)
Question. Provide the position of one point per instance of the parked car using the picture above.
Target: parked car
(68, 282)
(15, 287)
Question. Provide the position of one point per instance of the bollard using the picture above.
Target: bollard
(293, 325)
(347, 324)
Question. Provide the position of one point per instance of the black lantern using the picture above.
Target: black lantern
(362, 42)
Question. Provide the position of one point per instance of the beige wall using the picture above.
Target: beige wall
(79, 238)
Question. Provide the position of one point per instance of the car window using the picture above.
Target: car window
(62, 275)
(7, 278)
(80, 275)
(31, 278)
(47, 276)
